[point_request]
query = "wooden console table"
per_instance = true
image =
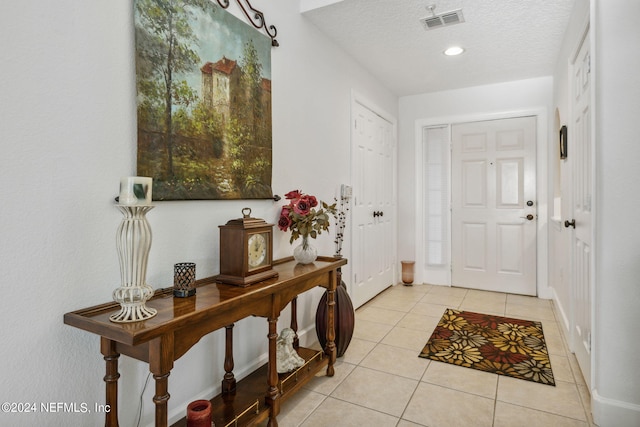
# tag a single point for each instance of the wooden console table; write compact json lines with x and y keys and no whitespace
{"x":182,"y":322}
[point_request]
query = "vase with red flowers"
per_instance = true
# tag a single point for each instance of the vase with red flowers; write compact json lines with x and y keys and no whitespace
{"x":305,"y":217}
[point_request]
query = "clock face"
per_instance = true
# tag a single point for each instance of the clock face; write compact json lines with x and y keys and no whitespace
{"x":257,"y":250}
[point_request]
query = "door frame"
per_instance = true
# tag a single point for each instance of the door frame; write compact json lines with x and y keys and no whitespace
{"x":542,"y":183}
{"x":357,"y":98}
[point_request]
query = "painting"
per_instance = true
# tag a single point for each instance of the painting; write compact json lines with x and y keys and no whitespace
{"x":203,"y":80}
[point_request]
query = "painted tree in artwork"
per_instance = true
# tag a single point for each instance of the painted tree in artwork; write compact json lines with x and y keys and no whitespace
{"x":164,"y":42}
{"x":249,"y":132}
{"x":252,"y":79}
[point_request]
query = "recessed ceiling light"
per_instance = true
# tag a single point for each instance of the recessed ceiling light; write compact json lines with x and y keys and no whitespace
{"x":453,"y":51}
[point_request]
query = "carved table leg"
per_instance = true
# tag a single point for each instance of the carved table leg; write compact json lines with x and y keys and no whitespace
{"x":330,"y":349}
{"x":108,"y":350}
{"x":160,"y":364}
{"x":272,"y":398}
{"x":229,"y":381}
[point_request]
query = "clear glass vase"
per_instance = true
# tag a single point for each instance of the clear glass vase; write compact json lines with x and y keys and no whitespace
{"x":305,"y":252}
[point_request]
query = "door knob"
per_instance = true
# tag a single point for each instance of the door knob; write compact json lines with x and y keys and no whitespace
{"x":529,"y":217}
{"x":571,"y":223}
{"x":378,"y":213}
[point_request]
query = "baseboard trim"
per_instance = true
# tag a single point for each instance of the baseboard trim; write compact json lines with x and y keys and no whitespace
{"x":564,"y":318}
{"x":614,"y":413}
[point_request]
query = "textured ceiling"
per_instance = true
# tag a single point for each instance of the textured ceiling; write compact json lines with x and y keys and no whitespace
{"x":504,"y":40}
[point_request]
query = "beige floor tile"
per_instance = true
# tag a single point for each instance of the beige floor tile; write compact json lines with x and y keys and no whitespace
{"x":417,"y":289}
{"x":370,"y":331}
{"x":553,"y":338}
{"x":508,"y":415}
{"x":335,"y":412}
{"x":325,"y":385}
{"x":437,"y":406}
{"x":357,"y":350}
{"x":419,"y":322}
{"x":396,"y":361}
{"x":462,"y":379}
{"x":380,"y":315}
{"x":575,"y":368}
{"x":394,"y":301}
{"x":295,"y":410}
{"x":488,"y":296}
{"x":448,"y":290}
{"x":405,"y":423}
{"x":484,"y":302}
{"x":487,"y":307}
{"x":451,"y":301}
{"x":527,"y":300}
{"x":376,"y":390}
{"x":563,"y":399}
{"x":529,"y":312}
{"x":433,"y":310}
{"x":411,"y":339}
{"x":585,"y":397}
{"x":561,"y":368}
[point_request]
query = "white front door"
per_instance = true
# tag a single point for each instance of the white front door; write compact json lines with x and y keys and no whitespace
{"x":579,"y":154}
{"x":493,"y":219}
{"x":373,"y":159}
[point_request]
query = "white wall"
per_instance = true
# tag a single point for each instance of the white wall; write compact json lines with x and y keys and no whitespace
{"x":466,"y":104}
{"x":68,"y":133}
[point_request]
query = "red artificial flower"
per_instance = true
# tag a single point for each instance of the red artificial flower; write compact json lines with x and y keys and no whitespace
{"x":284,"y":222}
{"x":294,"y":194}
{"x":302,"y":206}
{"x":312,"y":201}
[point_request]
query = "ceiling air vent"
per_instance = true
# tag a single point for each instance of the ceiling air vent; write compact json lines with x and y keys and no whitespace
{"x":442,"y":19}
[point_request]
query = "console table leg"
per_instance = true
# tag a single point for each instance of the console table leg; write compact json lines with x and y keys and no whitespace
{"x":108,"y":350}
{"x":160,"y":364}
{"x":229,"y":381}
{"x":272,"y":399}
{"x":330,"y":349}
{"x":161,"y":398}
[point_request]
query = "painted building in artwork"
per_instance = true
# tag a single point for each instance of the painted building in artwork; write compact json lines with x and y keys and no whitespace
{"x":222,"y":85}
{"x":223,"y":89}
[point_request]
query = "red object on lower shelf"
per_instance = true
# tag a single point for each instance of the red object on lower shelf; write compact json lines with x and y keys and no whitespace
{"x":199,"y":414}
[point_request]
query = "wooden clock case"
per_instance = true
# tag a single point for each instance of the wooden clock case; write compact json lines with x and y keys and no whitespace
{"x":235,"y":268}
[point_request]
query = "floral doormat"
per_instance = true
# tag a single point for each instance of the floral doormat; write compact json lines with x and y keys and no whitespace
{"x":502,"y":345}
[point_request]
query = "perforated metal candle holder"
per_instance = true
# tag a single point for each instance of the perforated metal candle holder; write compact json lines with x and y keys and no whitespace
{"x":184,"y":279}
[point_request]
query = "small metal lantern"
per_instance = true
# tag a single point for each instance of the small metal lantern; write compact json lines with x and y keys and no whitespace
{"x":184,"y":279}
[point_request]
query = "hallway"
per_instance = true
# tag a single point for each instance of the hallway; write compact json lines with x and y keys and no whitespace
{"x":381,"y":381}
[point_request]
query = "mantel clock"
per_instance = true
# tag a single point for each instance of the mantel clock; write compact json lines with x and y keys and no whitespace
{"x":246,"y":251}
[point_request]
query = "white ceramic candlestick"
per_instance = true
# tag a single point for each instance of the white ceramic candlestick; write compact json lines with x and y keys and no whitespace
{"x":133,"y":241}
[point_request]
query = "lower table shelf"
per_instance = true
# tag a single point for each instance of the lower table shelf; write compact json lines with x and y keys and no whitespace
{"x":247,"y":406}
